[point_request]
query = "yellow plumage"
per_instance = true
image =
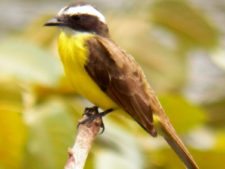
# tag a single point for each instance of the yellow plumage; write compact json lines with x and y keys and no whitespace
{"x":74,"y":55}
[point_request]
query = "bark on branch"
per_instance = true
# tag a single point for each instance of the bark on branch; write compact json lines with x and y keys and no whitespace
{"x":86,"y":134}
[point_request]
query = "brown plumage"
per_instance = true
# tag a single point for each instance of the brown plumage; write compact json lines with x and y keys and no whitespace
{"x":122,"y":79}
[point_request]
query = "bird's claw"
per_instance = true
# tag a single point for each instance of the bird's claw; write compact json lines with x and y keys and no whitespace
{"x":92,"y":113}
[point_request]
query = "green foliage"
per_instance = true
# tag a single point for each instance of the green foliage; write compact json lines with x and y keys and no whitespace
{"x":185,"y":21}
{"x":50,"y":134}
{"x":12,"y":128}
{"x":185,"y":115}
{"x":23,"y":60}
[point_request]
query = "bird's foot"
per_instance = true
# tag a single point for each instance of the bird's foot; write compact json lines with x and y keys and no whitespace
{"x":92,"y":113}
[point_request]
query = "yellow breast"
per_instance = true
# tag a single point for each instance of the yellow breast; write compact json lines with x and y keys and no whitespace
{"x":74,"y":55}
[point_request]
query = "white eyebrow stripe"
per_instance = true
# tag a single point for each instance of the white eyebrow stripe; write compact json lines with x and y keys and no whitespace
{"x":86,"y":9}
{"x":62,"y":11}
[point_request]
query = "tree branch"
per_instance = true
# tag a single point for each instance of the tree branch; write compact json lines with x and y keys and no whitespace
{"x":86,"y":134}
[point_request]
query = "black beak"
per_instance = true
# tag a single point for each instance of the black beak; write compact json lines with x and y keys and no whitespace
{"x":54,"y":22}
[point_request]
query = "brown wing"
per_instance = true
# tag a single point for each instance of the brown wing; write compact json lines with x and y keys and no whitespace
{"x":121,"y":79}
{"x":118,"y":75}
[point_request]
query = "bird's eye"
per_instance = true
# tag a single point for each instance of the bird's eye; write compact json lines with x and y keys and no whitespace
{"x":76,"y":17}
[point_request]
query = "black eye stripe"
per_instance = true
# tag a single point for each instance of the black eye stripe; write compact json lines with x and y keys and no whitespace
{"x":85,"y":23}
{"x":76,"y":17}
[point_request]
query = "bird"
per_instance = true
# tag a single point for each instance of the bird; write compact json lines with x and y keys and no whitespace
{"x":109,"y":77}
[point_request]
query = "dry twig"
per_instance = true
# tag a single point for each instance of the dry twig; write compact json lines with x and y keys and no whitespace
{"x":85,"y":135}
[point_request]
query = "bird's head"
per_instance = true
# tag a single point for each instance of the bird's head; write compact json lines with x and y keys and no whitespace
{"x":80,"y":18}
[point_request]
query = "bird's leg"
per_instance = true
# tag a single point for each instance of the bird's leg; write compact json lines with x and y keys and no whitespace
{"x":103,"y":114}
{"x":92,"y":113}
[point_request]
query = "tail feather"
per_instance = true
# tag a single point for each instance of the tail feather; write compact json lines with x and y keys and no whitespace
{"x":176,"y":144}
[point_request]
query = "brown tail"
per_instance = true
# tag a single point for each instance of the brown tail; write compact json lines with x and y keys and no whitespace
{"x":177,"y":145}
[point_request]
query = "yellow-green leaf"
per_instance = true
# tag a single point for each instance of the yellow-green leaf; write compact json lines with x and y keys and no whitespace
{"x":20,"y":59}
{"x":51,"y":133}
{"x":12,"y":137}
{"x":12,"y":127}
{"x":183,"y":114}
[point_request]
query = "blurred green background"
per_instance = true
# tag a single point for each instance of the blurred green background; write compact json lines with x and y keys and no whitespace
{"x":180,"y":44}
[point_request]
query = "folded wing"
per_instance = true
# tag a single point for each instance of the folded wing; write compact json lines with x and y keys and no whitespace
{"x":118,"y":75}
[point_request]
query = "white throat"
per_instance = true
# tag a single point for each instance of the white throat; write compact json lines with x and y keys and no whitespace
{"x":72,"y":32}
